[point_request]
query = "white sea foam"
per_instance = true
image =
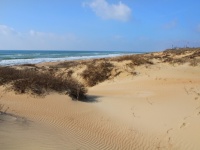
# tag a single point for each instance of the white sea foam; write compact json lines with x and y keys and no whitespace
{"x":40,"y":60}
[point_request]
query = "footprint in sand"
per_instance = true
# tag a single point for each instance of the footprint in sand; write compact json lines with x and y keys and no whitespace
{"x":183,"y":125}
{"x":169,"y":130}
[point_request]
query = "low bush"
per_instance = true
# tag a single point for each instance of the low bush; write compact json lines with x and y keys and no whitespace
{"x":69,"y":73}
{"x":135,"y":59}
{"x":182,"y":51}
{"x":95,"y":73}
{"x":67,"y":64}
{"x":140,"y":60}
{"x":179,"y":51}
{"x":23,"y":81}
{"x":191,"y":57}
{"x":29,"y":65}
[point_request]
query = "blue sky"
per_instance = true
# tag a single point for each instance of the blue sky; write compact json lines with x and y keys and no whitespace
{"x":126,"y":25}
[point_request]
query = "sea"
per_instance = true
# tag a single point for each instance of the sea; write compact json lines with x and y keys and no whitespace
{"x":19,"y":57}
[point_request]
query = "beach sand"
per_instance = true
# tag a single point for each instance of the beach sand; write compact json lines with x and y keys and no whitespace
{"x":156,"y":108}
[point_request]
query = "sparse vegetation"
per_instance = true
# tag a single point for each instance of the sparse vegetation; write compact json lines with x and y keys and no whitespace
{"x":42,"y":80}
{"x":179,"y":51}
{"x":95,"y":73}
{"x":137,"y":60}
{"x":194,"y":62}
{"x":67,"y":64}
{"x":29,"y":65}
{"x":190,"y":55}
{"x":23,"y":81}
{"x":69,"y":73}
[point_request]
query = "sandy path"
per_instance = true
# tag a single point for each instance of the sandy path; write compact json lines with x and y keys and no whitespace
{"x":157,"y":109}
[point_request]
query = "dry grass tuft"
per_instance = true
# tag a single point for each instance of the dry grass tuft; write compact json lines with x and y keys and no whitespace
{"x":96,"y":73}
{"x":23,"y":81}
{"x":29,"y":65}
{"x":69,"y":73}
{"x":194,"y":62}
{"x":137,"y":60}
{"x":68,"y":64}
{"x":189,"y":55}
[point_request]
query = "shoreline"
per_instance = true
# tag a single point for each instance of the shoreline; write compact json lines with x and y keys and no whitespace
{"x":18,"y":57}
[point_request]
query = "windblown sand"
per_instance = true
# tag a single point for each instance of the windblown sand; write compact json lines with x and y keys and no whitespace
{"x":159,"y":108}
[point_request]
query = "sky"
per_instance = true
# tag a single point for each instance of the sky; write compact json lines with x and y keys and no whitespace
{"x":126,"y":25}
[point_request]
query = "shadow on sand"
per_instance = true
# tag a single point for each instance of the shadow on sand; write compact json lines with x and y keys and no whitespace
{"x":90,"y":99}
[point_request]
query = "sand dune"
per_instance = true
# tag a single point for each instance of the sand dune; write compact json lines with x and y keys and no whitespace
{"x":159,"y":108}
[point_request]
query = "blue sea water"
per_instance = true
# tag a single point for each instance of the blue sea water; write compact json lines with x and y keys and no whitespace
{"x":17,"y":57}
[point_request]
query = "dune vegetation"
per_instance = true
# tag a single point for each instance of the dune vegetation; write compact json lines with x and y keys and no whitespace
{"x":73,"y":77}
{"x":39,"y":83}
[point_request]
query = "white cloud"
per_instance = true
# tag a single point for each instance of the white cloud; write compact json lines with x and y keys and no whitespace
{"x":102,"y":8}
{"x":34,"y":33}
{"x":6,"y":31}
{"x":12,"y":39}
